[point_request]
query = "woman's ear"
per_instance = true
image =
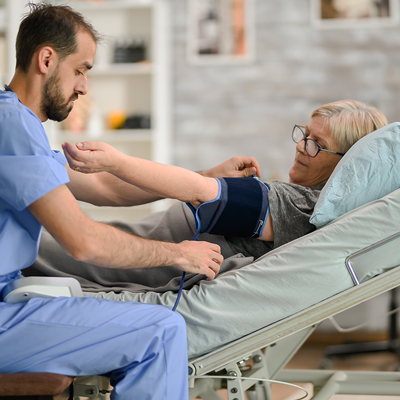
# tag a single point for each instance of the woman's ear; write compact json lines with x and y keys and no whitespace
{"x":47,"y":60}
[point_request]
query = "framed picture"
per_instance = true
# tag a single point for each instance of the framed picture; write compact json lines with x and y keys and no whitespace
{"x":354,"y":13}
{"x":220,"y":31}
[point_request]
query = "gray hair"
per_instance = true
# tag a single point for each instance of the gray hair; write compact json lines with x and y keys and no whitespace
{"x":350,"y":120}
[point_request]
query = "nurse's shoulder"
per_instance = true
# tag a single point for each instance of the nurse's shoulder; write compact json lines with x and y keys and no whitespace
{"x":21,"y":131}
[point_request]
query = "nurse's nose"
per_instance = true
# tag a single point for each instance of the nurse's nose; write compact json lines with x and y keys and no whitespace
{"x":82,"y":86}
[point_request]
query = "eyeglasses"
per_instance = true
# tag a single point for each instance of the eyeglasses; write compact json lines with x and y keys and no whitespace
{"x":311,"y":146}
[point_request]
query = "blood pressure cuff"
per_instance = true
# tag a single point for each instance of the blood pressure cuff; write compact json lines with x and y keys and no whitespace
{"x":240,"y":209}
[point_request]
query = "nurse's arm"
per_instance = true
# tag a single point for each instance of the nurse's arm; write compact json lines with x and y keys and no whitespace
{"x":104,"y":245}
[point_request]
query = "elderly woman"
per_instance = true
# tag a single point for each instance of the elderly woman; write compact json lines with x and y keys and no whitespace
{"x":320,"y":144}
{"x":332,"y":130}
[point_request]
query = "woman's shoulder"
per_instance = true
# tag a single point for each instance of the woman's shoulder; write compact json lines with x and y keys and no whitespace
{"x":291,"y":188}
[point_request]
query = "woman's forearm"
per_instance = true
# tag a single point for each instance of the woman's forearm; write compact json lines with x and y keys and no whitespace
{"x":166,"y":180}
{"x":155,"y":178}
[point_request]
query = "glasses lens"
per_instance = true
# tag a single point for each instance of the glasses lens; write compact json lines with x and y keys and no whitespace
{"x":311,"y":148}
{"x":297,"y":134}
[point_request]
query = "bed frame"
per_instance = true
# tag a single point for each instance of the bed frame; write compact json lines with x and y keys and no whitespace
{"x":264,"y":354}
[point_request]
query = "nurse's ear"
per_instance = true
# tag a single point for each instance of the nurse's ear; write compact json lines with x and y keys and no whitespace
{"x":47,"y":60}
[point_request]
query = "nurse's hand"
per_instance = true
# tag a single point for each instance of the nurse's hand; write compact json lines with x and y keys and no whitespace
{"x":200,"y":258}
{"x":90,"y":157}
{"x":235,"y":167}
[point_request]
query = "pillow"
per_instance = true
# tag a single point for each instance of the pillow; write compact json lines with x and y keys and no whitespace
{"x":367,"y":172}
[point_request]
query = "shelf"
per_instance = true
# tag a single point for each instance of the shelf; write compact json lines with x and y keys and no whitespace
{"x":141,"y":88}
{"x":2,"y":21}
{"x":108,"y":4}
{"x":140,"y":68}
{"x":112,"y":136}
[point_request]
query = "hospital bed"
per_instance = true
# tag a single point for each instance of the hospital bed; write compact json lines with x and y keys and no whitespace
{"x":249,"y":322}
{"x":264,"y":311}
{"x":271,"y":348}
{"x":354,"y":258}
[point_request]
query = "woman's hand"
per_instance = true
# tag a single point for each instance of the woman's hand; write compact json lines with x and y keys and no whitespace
{"x":235,"y":167}
{"x":90,"y":157}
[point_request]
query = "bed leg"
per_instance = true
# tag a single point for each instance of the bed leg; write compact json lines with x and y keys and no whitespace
{"x":262,"y":388}
{"x":238,"y":387}
{"x":234,"y":386}
{"x":261,"y":392}
{"x":331,"y":386}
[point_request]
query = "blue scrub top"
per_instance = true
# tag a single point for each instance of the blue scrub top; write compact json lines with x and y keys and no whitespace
{"x":28,"y":170}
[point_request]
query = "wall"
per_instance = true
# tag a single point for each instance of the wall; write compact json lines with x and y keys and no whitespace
{"x":221,"y":111}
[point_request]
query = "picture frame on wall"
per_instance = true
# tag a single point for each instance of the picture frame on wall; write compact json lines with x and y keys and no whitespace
{"x":220,"y":31}
{"x":354,"y":13}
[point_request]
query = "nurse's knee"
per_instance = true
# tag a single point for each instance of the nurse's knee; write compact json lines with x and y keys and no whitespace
{"x":180,"y":321}
{"x":174,"y":322}
{"x":174,"y":317}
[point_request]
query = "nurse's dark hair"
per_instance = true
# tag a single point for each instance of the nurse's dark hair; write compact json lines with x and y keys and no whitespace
{"x":50,"y":25}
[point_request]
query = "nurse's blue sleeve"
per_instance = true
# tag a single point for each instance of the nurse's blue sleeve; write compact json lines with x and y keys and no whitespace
{"x":24,"y":179}
{"x":28,"y":167}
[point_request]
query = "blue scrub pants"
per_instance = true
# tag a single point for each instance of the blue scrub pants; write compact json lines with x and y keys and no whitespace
{"x":141,"y":347}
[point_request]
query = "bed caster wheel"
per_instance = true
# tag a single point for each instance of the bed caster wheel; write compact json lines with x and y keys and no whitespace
{"x":325,"y":363}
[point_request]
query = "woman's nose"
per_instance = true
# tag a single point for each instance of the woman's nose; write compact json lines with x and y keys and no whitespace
{"x":301,"y":146}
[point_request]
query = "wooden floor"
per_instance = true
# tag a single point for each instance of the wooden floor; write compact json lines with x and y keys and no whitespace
{"x":311,"y":356}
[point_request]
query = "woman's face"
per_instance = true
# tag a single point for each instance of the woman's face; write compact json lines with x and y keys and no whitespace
{"x":308,"y":171}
